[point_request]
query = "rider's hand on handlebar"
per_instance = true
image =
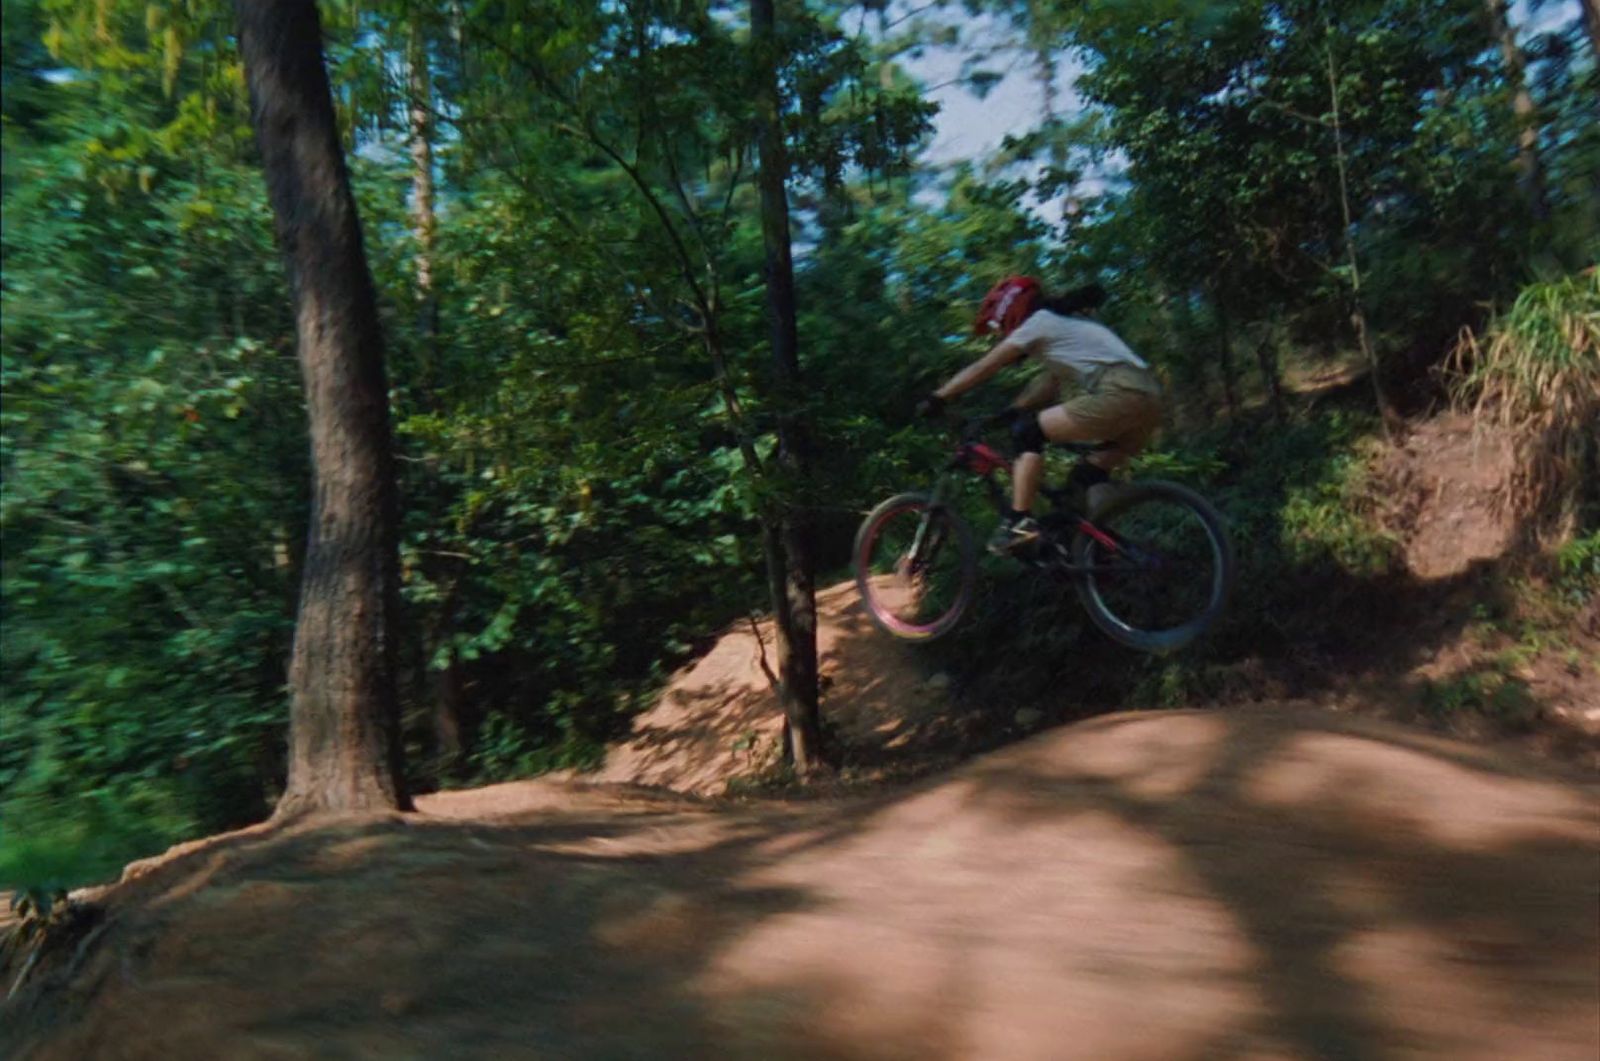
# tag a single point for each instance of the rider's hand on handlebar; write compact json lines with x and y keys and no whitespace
{"x":930,"y":408}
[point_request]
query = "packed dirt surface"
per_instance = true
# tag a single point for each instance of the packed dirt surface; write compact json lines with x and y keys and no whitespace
{"x":1265,"y":884}
{"x":718,"y":722}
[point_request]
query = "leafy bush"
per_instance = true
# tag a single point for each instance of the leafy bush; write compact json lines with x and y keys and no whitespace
{"x":1486,"y":691}
{"x":1336,"y":518}
{"x":1578,"y":568}
{"x":48,"y":845}
{"x":505,"y":749}
{"x":1535,"y":373}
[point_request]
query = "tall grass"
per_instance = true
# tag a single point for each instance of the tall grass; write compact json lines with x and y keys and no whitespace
{"x":1535,"y":374}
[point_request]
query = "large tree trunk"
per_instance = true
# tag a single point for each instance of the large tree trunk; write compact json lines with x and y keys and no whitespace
{"x":344,"y":751}
{"x":794,"y":596}
{"x":1530,"y":171}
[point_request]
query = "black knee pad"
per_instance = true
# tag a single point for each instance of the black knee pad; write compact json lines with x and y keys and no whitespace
{"x":1085,"y":475}
{"x":1027,"y":434}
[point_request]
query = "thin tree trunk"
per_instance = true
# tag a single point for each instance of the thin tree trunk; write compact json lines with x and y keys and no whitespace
{"x":441,"y":688}
{"x":439,"y":691}
{"x":1358,"y":317}
{"x":772,"y":549}
{"x":422,"y":214}
{"x":1044,"y":68}
{"x":344,"y":749}
{"x":1267,"y":362}
{"x":1230,"y":376}
{"x":447,"y":727}
{"x":1589,"y":10}
{"x":1194,"y":373}
{"x":794,"y":600}
{"x":1530,"y":171}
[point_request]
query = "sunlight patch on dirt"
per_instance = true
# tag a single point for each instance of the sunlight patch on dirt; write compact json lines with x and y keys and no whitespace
{"x":1459,"y":805}
{"x":1148,"y":762}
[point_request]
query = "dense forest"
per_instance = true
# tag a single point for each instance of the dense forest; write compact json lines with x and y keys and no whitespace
{"x":655,"y":287}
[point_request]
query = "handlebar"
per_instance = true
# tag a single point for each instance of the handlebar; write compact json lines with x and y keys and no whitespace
{"x":969,"y":429}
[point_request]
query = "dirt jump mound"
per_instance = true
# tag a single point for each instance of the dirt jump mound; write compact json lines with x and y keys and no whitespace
{"x":1163,"y":885}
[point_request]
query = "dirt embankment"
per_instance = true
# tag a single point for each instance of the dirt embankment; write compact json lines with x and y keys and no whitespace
{"x":1445,"y":499}
{"x":1446,"y":481}
{"x":718,"y":722}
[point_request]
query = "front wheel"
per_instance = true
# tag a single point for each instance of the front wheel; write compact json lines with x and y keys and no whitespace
{"x":1157,"y":568}
{"x":916,"y":565}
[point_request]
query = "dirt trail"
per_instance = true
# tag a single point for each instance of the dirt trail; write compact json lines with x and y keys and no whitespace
{"x":1281,"y":884}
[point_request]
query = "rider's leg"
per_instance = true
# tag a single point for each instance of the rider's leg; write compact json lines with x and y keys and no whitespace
{"x":1126,"y":418}
{"x":1017,"y":530}
{"x":1028,"y":434}
{"x":1125,"y":410}
{"x":1025,"y":475}
{"x":1061,"y":423}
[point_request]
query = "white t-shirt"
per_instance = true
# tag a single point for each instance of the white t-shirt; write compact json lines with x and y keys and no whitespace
{"x":1072,"y":346}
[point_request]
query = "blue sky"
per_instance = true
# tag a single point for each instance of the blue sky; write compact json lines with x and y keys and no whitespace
{"x":969,"y":128}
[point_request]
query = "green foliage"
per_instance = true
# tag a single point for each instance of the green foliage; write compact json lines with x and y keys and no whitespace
{"x":1488,"y":692}
{"x":46,"y":847}
{"x":152,"y":500}
{"x":1333,"y":518}
{"x":1305,"y":518}
{"x":1578,"y":568}
{"x":572,"y":388}
{"x":1229,"y":210}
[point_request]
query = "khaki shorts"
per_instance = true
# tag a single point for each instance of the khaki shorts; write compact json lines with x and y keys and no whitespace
{"x":1122,"y":405}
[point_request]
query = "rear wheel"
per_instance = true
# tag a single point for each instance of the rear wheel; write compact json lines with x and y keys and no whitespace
{"x":915,"y":567}
{"x":1160,"y":569}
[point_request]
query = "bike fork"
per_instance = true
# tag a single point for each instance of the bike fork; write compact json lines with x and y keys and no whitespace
{"x":921,"y":546}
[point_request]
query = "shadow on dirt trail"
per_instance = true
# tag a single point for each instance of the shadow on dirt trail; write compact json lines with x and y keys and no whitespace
{"x":1181,"y":885}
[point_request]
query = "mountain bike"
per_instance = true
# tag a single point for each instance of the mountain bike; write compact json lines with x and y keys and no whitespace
{"x":1152,"y":564}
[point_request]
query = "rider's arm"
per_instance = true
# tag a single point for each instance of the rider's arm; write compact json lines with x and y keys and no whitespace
{"x":980,"y":370}
{"x":1042,"y":390}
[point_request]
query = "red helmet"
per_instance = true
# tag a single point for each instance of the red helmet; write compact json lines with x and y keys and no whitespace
{"x":1007,"y":305}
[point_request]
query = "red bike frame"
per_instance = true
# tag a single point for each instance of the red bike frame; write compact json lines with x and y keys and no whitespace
{"x":983,"y":460}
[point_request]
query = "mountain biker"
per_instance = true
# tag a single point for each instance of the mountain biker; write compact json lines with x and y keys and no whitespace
{"x":1119,"y":401}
